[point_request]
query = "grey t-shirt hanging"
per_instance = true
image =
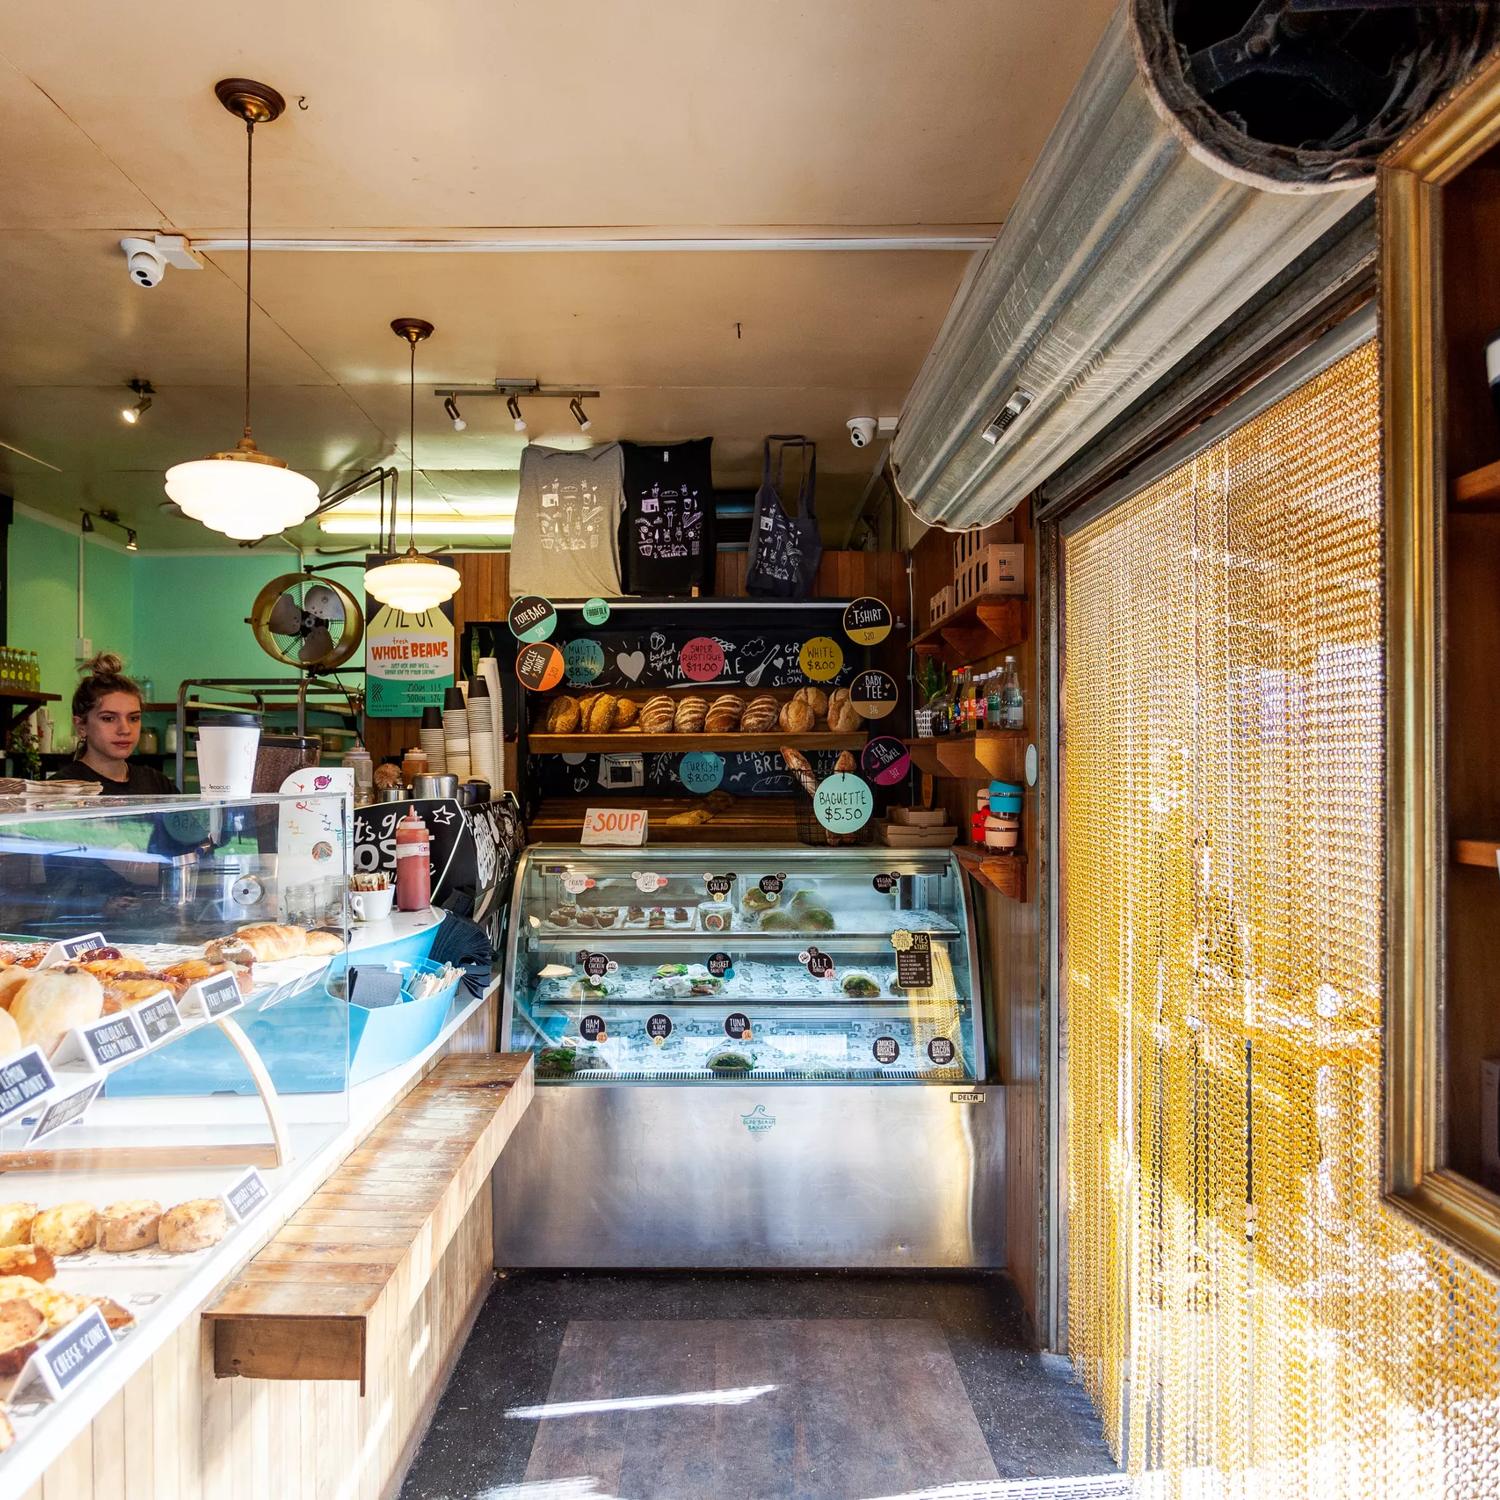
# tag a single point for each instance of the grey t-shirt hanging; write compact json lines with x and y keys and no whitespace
{"x":566,"y":543}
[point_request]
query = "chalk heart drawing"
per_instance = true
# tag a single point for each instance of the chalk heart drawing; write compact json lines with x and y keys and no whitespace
{"x":632,"y":664}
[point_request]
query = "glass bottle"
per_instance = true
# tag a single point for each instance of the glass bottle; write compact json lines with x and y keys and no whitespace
{"x":1012,"y":703}
{"x":994,"y":712}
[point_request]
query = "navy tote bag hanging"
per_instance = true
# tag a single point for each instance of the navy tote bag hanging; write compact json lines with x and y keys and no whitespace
{"x":784,"y":549}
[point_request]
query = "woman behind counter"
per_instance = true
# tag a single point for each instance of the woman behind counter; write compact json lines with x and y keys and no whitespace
{"x":107,"y":722}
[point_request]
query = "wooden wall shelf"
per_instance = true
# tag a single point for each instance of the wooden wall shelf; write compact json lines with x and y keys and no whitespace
{"x":1479,"y":852}
{"x":326,"y":1298}
{"x":986,"y":624}
{"x":984,"y":755}
{"x":751,"y":820}
{"x":1005,"y":873}
{"x":17,"y":703}
{"x":1478,"y":491}
{"x":619,"y":744}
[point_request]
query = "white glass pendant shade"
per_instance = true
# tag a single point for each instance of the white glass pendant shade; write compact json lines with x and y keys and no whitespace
{"x":412,"y":583}
{"x":244,"y":495}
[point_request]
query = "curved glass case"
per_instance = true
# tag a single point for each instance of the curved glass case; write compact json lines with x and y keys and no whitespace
{"x":780,"y":965}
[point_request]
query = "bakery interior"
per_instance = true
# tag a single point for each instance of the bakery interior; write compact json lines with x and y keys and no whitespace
{"x":747,"y":750}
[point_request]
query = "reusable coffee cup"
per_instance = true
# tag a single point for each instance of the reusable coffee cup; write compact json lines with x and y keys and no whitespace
{"x":227,"y":744}
{"x":372,"y":906}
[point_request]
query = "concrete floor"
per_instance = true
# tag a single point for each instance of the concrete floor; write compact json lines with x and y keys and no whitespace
{"x":807,"y":1386}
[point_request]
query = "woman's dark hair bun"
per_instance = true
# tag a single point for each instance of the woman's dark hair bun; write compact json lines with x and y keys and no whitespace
{"x":105,"y":664}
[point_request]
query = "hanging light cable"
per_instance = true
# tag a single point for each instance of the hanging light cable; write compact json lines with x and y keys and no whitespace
{"x":412,"y":583}
{"x":244,"y":493}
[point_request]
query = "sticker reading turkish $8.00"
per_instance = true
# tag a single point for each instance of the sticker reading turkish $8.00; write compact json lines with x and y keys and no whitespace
{"x":540,"y":667}
{"x":593,"y":1029}
{"x":658,"y":1028}
{"x":886,"y":1049}
{"x":737,"y":1026}
{"x":867,"y":621}
{"x":701,"y":771}
{"x":843,"y":802}
{"x":873,"y":694}
{"x":583,"y":660}
{"x":821,"y":658}
{"x":885,"y":760}
{"x":720,"y":965}
{"x":941,"y":1051}
{"x":596,"y":611}
{"x":532,"y":618}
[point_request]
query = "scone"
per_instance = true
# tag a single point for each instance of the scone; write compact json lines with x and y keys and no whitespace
{"x":67,"y":1229}
{"x":128,"y":1225}
{"x":15,"y":1223}
{"x":30,"y":1261}
{"x":194,"y":1225}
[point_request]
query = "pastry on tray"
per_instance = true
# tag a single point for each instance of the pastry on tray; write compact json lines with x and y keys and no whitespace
{"x":131,"y":1224}
{"x":67,"y":1228}
{"x":22,"y":1324}
{"x":179,"y":976}
{"x":194,"y":1225}
{"x":15,"y":1222}
{"x":262,"y":942}
{"x":30,"y":1261}
{"x":52,"y":1002}
{"x":121,"y":994}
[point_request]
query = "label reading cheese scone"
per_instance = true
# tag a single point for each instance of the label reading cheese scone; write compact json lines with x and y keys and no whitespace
{"x":63,"y":1360}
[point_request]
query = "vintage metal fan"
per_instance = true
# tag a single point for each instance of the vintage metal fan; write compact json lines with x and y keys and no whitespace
{"x":307,"y":622}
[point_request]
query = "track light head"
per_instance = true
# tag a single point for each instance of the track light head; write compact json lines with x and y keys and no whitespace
{"x":131,"y":545}
{"x":450,"y":406}
{"x":88,"y":523}
{"x":143,"y":395}
{"x":513,"y":406}
{"x":579,"y":415}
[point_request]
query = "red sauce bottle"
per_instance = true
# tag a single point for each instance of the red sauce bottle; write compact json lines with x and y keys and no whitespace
{"x":413,"y":864}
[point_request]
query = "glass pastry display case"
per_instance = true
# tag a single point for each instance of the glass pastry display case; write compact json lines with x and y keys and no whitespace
{"x":753,"y":1056}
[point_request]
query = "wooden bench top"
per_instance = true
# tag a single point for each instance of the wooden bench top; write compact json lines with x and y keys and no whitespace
{"x":320,"y":1300}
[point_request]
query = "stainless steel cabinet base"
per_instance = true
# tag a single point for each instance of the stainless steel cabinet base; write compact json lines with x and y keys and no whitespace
{"x":735,"y":1176}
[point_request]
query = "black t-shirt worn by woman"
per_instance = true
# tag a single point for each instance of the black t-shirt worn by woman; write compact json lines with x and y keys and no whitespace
{"x":141,"y":780}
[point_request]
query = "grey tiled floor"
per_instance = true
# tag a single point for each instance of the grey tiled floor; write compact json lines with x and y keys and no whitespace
{"x":839,"y":1387}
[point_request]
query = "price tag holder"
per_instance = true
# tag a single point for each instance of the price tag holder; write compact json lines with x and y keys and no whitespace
{"x":886,"y":1049}
{"x":737,"y":1027}
{"x":913,"y":959}
{"x":24,"y":1079}
{"x":213,"y":997}
{"x":102,"y":1043}
{"x":658,"y":1028}
{"x":60,"y":1362}
{"x":247,"y":1196}
{"x":615,"y":825}
{"x":70,"y":948}
{"x":65,"y":1111}
{"x":159,"y":1018}
{"x":593,"y":1029}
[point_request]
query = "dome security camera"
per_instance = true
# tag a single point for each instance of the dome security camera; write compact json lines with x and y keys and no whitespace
{"x":145,"y":263}
{"x":861,"y":431}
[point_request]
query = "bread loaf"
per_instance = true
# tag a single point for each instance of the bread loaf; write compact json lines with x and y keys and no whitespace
{"x":11,"y":980}
{"x":563,"y":716}
{"x":15,"y":1223}
{"x":842,"y":719}
{"x":67,"y":1229}
{"x":691,"y":714}
{"x":658,"y":714}
{"x":797,"y":717}
{"x":760,"y":715}
{"x":130,"y":1224}
{"x":627,"y":711}
{"x":846,"y":761}
{"x":600,"y":717}
{"x":10,"y":1036}
{"x":323,"y":944}
{"x":261,"y":942}
{"x":52,"y":1002}
{"x":31,"y":1261}
{"x":194,"y":1225}
{"x":724,"y":714}
{"x":815,"y":698}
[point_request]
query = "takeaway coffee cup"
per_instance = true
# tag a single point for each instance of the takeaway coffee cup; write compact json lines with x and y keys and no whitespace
{"x":227,"y":744}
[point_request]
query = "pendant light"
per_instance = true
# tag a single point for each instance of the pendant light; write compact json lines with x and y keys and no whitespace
{"x":244,"y":493}
{"x":412,"y":583}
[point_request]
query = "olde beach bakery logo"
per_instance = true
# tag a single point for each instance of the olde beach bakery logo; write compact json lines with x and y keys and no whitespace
{"x":757,"y":1122}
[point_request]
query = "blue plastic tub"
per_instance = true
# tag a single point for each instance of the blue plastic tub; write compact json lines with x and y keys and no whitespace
{"x":390,"y":1035}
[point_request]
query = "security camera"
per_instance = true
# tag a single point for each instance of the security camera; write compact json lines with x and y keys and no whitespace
{"x":861,"y":431}
{"x":144,"y":261}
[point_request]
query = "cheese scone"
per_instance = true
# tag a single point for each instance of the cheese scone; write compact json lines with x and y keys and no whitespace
{"x":194,"y":1225}
{"x":67,"y":1229}
{"x":131,"y":1224}
{"x":15,"y":1222}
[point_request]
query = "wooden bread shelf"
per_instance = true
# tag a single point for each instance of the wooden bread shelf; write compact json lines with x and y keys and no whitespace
{"x":1480,"y":852}
{"x":573,"y":744}
{"x":984,"y":755}
{"x":326,"y":1298}
{"x":1478,"y":490}
{"x":1005,"y":873}
{"x":986,"y":624}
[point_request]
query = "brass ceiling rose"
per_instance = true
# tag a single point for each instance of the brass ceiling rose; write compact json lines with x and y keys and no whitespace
{"x":413,"y":330}
{"x":255,"y":103}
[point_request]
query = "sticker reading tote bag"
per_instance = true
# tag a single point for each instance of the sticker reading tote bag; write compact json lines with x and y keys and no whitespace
{"x":784,"y":550}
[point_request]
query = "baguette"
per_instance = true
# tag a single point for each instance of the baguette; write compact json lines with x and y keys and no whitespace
{"x":263,"y":942}
{"x":321,"y":944}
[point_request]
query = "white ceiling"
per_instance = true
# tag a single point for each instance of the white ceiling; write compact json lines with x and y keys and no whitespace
{"x":477,"y":118}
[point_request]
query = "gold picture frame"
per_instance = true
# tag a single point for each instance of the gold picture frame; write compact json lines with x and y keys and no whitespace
{"x":1412,"y":176}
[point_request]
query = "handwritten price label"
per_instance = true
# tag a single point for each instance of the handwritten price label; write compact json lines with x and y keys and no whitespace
{"x":843,"y":803}
{"x":701,"y":659}
{"x":701,"y":771}
{"x":583,"y":660}
{"x":821,"y":658}
{"x":532,"y":618}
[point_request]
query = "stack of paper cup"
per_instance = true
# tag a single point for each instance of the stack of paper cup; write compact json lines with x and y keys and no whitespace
{"x":430,"y":735}
{"x":455,"y":734}
{"x":481,"y":731}
{"x":489,"y":669}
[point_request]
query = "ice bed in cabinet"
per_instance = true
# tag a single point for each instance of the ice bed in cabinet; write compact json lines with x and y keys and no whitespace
{"x":748,"y":1057}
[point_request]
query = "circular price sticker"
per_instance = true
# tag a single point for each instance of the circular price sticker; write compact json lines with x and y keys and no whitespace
{"x":701,"y":659}
{"x":821,"y":658}
{"x":873,"y":695}
{"x":941,"y":1051}
{"x":886,"y":882}
{"x":701,"y":771}
{"x":593,"y":1029}
{"x":772,"y":884}
{"x":737,"y":1026}
{"x":596,"y":611}
{"x":720,"y":965}
{"x":886,"y":1049}
{"x":901,"y":940}
{"x":843,"y":802}
{"x":532,"y":618}
{"x":597,"y":965}
{"x":658,"y":1028}
{"x":718,"y":886}
{"x":648,"y":881}
{"x":575,"y":885}
{"x":540,"y":667}
{"x":819,"y":965}
{"x":867,"y":622}
{"x":583,"y":660}
{"x":885,"y":760}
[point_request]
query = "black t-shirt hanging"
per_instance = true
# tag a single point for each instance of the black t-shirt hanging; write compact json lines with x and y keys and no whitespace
{"x":669,"y":517}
